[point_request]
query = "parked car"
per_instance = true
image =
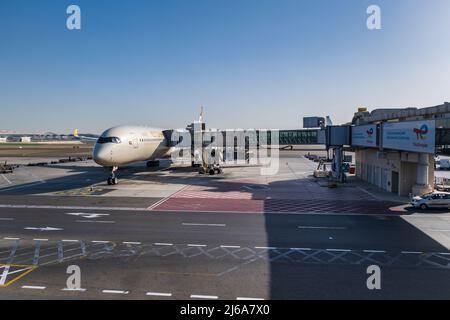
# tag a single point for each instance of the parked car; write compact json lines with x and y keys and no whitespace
{"x":432,"y":200}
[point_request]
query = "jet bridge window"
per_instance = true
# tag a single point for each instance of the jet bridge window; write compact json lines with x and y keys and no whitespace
{"x":108,"y":140}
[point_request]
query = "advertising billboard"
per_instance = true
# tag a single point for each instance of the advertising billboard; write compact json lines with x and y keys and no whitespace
{"x":365,"y":136}
{"x":416,"y":136}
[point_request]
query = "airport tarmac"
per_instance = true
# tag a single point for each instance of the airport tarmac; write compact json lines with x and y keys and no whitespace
{"x":170,"y":233}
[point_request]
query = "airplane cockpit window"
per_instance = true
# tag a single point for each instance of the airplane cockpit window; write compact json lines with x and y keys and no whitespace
{"x":108,"y":140}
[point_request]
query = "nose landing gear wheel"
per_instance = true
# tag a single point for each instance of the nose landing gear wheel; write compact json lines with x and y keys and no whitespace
{"x":112,"y":180}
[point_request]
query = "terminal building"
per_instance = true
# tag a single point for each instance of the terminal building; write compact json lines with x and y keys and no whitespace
{"x":395,"y":148}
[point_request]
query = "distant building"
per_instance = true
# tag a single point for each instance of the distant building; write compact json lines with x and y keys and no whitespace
{"x":25,"y":139}
{"x":3,"y":139}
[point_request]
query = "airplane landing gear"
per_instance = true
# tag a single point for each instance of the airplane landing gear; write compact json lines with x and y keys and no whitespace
{"x":112,"y":179}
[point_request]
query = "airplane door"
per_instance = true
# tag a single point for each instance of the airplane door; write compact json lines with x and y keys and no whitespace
{"x":134,"y":141}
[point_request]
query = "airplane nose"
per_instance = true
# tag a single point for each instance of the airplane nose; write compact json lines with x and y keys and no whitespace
{"x":103,"y":155}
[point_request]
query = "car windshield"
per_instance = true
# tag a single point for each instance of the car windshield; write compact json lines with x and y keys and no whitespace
{"x":108,"y":140}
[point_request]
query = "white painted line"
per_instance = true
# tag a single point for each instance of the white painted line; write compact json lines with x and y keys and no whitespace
{"x":159,"y":294}
{"x":34,"y":287}
{"x":69,"y":289}
{"x":40,"y":239}
{"x":6,"y":238}
{"x":248,"y":298}
{"x":69,"y":240}
{"x":88,"y":215}
{"x":374,"y":251}
{"x":100,"y":241}
{"x":196,"y":245}
{"x":7,"y":180}
{"x":6,"y":219}
{"x":204,"y":224}
{"x":156,"y":204}
{"x":163,"y":244}
{"x":23,"y":206}
{"x":445,"y":253}
{"x":116,"y":291}
{"x":412,"y":252}
{"x":21,"y":186}
{"x":200,"y":296}
{"x":92,"y":221}
{"x":325,"y":228}
{"x":43,"y":228}
{"x":266,"y":248}
{"x":339,"y":250}
{"x":303,"y":249}
{"x":131,"y":242}
{"x":234,"y":247}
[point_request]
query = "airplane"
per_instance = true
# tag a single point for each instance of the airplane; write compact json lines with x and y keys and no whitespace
{"x":122,"y":145}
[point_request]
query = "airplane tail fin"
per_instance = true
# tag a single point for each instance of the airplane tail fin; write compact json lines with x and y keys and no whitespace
{"x":75,"y":133}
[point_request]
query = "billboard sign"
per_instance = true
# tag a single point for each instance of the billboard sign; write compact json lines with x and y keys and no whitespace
{"x":416,"y":136}
{"x":365,"y":136}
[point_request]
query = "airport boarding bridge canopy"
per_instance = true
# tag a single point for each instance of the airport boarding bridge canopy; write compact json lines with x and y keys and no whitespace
{"x":422,"y":136}
{"x":298,"y":137}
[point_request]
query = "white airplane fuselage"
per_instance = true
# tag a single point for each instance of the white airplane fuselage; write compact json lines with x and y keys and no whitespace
{"x":123,"y":145}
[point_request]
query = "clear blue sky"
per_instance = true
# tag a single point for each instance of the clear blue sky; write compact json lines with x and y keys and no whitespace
{"x":251,"y":63}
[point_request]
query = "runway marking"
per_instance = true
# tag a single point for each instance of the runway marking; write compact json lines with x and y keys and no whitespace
{"x":116,"y":291}
{"x":302,"y":249}
{"x":131,"y":242}
{"x":36,"y":252}
{"x":325,"y":228}
{"x":196,"y":245}
{"x":43,"y":229}
{"x":34,"y":287}
{"x":6,"y":219}
{"x":247,"y":298}
{"x":150,"y":208}
{"x":159,"y":294}
{"x":412,"y":252}
{"x":100,"y":241}
{"x":21,"y":186}
{"x":267,"y":248}
{"x":7,"y":180}
{"x":163,"y":244}
{"x":40,"y":239}
{"x":374,"y":251}
{"x":6,"y":238}
{"x":233,"y":247}
{"x":60,"y":251}
{"x":339,"y":250}
{"x":19,"y":206}
{"x":200,"y":296}
{"x":68,"y":240}
{"x":6,"y":273}
{"x":93,"y":221}
{"x":13,"y":252}
{"x":10,"y":206}
{"x":75,"y":289}
{"x":204,"y":224}
{"x":88,"y":215}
